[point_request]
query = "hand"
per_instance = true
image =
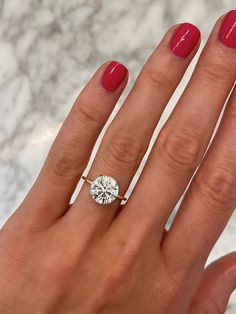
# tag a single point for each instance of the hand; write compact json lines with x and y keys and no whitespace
{"x":91,"y":258}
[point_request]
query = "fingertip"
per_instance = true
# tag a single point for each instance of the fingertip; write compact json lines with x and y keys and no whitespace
{"x":182,"y":41}
{"x":185,"y":39}
{"x":114,"y":75}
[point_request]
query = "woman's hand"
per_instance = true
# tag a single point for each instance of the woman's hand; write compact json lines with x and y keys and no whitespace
{"x":91,"y":258}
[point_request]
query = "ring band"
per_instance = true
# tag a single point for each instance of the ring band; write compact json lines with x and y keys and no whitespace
{"x":104,"y":189}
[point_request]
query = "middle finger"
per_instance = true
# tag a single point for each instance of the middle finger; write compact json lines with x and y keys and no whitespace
{"x":183,"y":140}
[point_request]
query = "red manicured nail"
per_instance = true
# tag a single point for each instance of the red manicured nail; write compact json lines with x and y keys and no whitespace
{"x":184,"y":39}
{"x":113,"y":76}
{"x":227,"y":32}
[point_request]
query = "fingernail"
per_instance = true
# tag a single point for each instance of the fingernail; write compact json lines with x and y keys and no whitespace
{"x":113,"y":76}
{"x":184,"y":40}
{"x":227,"y":32}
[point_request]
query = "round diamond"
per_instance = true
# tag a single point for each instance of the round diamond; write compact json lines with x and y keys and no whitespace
{"x":104,"y":189}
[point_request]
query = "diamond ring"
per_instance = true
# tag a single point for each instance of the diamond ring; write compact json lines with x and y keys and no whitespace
{"x":104,"y":189}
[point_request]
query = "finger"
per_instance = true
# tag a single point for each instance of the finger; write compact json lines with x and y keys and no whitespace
{"x":127,"y":139}
{"x":210,"y":200}
{"x":68,"y":157}
{"x":183,"y":140}
{"x":216,"y":286}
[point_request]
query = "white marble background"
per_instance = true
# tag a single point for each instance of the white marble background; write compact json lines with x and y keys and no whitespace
{"x":48,"y":51}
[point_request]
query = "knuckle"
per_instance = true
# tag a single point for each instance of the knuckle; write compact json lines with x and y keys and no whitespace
{"x":217,"y":187}
{"x":58,"y":269}
{"x":124,"y":150}
{"x":181,"y":150}
{"x":118,"y":281}
{"x":157,"y":79}
{"x":88,"y":113}
{"x":66,"y":164}
{"x":115,"y":284}
{"x":217,"y":71}
{"x":115,"y":280}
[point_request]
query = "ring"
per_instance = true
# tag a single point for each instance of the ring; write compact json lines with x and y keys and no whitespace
{"x":104,"y":189}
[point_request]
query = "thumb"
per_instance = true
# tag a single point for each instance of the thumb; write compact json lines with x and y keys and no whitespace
{"x":216,"y":286}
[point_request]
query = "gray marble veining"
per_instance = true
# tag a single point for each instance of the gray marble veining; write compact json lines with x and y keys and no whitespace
{"x":48,"y":51}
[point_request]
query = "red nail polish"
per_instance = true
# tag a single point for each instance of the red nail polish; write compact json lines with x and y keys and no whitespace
{"x":113,"y":76}
{"x":227,"y":32}
{"x":184,"y":39}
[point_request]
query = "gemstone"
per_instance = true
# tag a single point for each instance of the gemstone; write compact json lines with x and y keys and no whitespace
{"x":104,"y":189}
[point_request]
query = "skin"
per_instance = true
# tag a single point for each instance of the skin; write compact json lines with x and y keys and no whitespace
{"x":87,"y":258}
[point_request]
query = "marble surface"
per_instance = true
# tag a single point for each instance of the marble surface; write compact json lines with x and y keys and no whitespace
{"x":48,"y":51}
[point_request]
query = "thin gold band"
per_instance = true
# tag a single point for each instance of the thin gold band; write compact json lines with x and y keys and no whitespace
{"x":120,"y":197}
